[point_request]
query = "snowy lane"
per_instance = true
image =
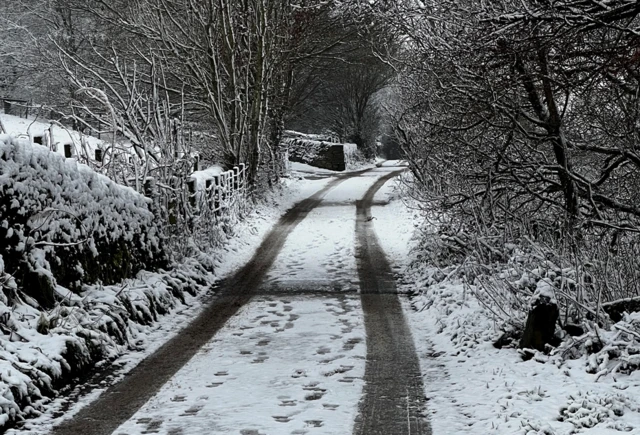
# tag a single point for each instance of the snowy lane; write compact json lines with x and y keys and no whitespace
{"x":120,"y":401}
{"x":293,"y":360}
{"x":281,"y":365}
{"x":282,"y":349}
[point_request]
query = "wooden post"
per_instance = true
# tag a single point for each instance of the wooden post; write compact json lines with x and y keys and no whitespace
{"x":52,"y":144}
{"x":207,"y":192}
{"x":98,"y":155}
{"x":192,"y":191}
{"x":243,"y":175}
{"x":216,"y":194}
{"x":223,"y":189}
{"x":236,"y":178}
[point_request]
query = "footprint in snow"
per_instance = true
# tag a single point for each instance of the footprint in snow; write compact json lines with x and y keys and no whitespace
{"x":316,"y":395}
{"x":323,"y":350}
{"x":193,"y":410}
{"x":288,"y":402}
{"x":314,"y":423}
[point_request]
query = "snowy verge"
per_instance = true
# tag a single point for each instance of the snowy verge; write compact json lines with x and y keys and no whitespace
{"x":473,"y":387}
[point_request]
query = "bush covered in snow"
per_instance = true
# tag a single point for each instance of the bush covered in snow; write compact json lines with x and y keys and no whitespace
{"x":63,"y":224}
{"x":42,"y":351}
{"x":505,"y":277}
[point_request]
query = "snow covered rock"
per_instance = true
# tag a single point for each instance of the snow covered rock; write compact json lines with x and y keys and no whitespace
{"x":541,"y":321}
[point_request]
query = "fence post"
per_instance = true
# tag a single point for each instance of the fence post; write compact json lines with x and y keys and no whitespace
{"x":225,"y":188}
{"x":243,"y":176}
{"x":52,"y":143}
{"x":216,"y":194}
{"x":208,"y":191}
{"x":236,"y":178}
{"x":192,"y":191}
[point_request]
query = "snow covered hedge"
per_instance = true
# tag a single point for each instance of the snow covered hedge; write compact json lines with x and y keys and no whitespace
{"x":63,"y":224}
{"x":64,"y":227}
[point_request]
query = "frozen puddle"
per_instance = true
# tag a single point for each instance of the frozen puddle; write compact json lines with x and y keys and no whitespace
{"x":280,"y":366}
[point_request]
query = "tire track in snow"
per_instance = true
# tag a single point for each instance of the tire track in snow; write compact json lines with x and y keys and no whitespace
{"x":393,"y":400}
{"x":120,"y":401}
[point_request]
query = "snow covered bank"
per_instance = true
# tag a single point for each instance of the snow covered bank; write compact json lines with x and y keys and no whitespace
{"x":475,"y":388}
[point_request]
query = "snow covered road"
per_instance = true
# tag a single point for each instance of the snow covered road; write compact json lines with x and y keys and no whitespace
{"x":283,"y":349}
{"x":281,"y":365}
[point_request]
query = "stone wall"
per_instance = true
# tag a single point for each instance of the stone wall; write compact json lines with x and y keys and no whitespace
{"x":332,"y":157}
{"x":320,"y":154}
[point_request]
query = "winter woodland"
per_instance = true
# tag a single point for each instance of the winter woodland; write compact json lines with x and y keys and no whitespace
{"x":148,"y":136}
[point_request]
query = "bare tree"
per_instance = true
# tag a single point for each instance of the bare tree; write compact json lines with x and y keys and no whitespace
{"x":520,"y":122}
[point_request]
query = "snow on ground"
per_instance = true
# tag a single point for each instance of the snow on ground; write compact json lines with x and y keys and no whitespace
{"x":394,"y":223}
{"x":287,"y":363}
{"x":291,"y":365}
{"x":474,"y":388}
{"x":247,"y":236}
{"x":321,"y":248}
